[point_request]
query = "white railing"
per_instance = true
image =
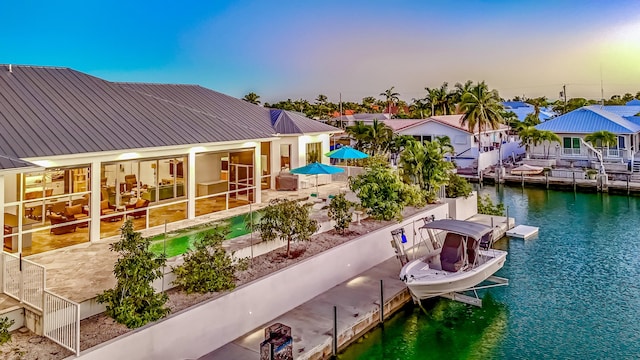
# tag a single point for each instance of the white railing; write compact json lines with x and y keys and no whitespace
{"x":33,"y":276}
{"x":23,"y":282}
{"x":11,"y":276}
{"x":61,"y":319}
{"x":612,"y":153}
{"x":572,"y":151}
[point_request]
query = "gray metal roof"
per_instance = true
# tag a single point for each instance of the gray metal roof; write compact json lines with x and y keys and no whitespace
{"x":467,"y":228}
{"x":289,"y":122}
{"x":47,"y":111}
{"x":9,"y":163}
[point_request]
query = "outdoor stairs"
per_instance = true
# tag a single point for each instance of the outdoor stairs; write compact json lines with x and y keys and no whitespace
{"x":636,"y":168}
{"x":12,"y":309}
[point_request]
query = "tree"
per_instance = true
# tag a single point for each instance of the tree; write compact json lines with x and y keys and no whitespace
{"x":529,"y":136}
{"x":458,"y":187}
{"x":368,"y":103}
{"x":288,"y":220}
{"x":252,"y":98}
{"x":390,"y":97}
{"x":481,"y":108}
{"x":339,"y":212}
{"x":440,"y":99}
{"x":134,"y":302}
{"x":602,"y":139}
{"x":460,"y":90}
{"x":419,"y":109}
{"x":378,"y":137}
{"x":538,"y":103}
{"x":424,"y":165}
{"x":487,"y":207}
{"x":381,"y":191}
{"x":548,"y":136}
{"x":208,"y":267}
{"x":358,"y":132}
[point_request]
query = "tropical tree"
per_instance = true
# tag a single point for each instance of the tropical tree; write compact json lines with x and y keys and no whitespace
{"x":424,"y":164}
{"x":602,"y":139}
{"x":419,"y":109}
{"x":382,"y":192}
{"x":529,"y":136}
{"x":339,"y":212}
{"x":538,"y":103}
{"x":460,"y":90}
{"x":288,"y":220}
{"x":440,"y":99}
{"x":133,"y":301}
{"x":368,"y":103}
{"x":390,"y":97}
{"x":379,"y":137}
{"x":481,"y":108}
{"x":252,"y":98}
{"x":358,"y":132}
{"x":548,"y":137}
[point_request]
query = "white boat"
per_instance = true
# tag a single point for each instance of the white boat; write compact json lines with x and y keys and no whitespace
{"x":459,"y":257}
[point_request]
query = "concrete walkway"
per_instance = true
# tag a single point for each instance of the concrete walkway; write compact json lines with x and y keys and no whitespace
{"x":357,"y":300}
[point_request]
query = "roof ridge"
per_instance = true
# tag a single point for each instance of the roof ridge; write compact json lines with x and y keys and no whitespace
{"x":37,"y":66}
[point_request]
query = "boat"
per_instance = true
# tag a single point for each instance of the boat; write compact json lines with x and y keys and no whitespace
{"x":458,"y":259}
{"x":527,"y":170}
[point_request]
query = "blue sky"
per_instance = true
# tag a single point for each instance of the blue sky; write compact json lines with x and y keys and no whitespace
{"x":299,"y":49}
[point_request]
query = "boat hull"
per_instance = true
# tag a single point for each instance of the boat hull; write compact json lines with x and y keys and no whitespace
{"x":443,"y":283}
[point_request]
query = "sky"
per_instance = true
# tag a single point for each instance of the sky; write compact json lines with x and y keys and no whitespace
{"x":342,"y":49}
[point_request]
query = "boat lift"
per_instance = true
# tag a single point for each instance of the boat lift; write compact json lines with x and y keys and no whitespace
{"x":399,"y":239}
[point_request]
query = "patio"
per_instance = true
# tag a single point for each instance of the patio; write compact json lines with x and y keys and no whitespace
{"x":81,"y":271}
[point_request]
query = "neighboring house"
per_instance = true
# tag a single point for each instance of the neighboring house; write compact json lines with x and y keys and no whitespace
{"x":522,"y":109}
{"x":465,"y":143}
{"x":78,"y":154}
{"x":621,"y":120}
{"x":366,"y":118}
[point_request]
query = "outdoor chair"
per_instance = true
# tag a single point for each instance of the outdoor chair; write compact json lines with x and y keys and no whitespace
{"x":452,"y":255}
{"x":140,"y":208}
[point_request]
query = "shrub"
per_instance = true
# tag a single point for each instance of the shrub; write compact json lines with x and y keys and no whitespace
{"x":5,"y":335}
{"x":208,"y":267}
{"x":339,"y":212}
{"x":287,"y":219}
{"x":486,"y":206}
{"x":458,"y":187}
{"x":134,"y":302}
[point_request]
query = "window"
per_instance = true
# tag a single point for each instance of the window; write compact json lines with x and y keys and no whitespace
{"x":620,"y":142}
{"x":570,"y":143}
{"x":285,"y":158}
{"x":314,"y":152}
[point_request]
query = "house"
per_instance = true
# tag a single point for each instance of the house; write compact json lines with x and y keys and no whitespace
{"x":78,"y":154}
{"x":522,"y":109}
{"x":464,"y":142}
{"x":622,"y":120}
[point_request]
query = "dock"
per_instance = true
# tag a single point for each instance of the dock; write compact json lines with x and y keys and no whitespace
{"x":357,"y":311}
{"x":523,"y":232}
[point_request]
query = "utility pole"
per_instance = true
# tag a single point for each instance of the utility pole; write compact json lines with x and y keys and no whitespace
{"x":564,"y":93}
{"x":341,"y":111}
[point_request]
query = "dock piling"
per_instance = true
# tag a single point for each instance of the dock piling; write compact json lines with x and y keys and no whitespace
{"x":628,"y":190}
{"x":574,"y":181}
{"x":546,"y":177}
{"x":335,"y":331}
{"x":381,"y":301}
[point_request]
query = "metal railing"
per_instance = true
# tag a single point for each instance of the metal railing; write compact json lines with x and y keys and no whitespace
{"x":62,"y":321}
{"x":572,"y":151}
{"x":33,"y":276}
{"x":11,"y":275}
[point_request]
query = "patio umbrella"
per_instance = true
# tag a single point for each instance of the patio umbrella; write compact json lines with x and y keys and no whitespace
{"x":526,"y":170}
{"x":346,"y":152}
{"x":316,"y":169}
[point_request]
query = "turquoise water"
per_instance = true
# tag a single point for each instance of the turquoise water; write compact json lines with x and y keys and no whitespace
{"x":180,"y":242}
{"x":574,"y":291}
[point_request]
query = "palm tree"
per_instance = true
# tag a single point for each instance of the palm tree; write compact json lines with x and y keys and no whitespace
{"x":379,"y":137}
{"x":252,"y":98}
{"x":424,"y":164}
{"x":538,"y":103}
{"x":358,"y":132}
{"x":548,"y":136}
{"x":460,"y":90}
{"x":367,"y":103}
{"x":391,"y":97}
{"x":419,"y":108}
{"x":481,"y":107}
{"x":602,"y":139}
{"x":529,"y":136}
{"x":440,"y":99}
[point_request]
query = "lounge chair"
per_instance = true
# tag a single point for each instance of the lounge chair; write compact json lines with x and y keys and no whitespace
{"x":141,"y":208}
{"x":61,"y":219}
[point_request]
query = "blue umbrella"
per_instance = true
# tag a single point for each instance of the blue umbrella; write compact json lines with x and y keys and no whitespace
{"x":347,"y":152}
{"x":316,"y":169}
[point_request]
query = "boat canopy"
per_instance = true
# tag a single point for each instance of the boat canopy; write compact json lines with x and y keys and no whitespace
{"x":466,"y":228}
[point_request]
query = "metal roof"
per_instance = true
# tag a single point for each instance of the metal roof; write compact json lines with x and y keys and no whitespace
{"x":467,"y":228}
{"x":289,"y":122}
{"x":634,"y":102}
{"x":48,"y":111}
{"x":589,"y":119}
{"x":9,"y":163}
{"x":515,"y":104}
{"x":621,"y":110}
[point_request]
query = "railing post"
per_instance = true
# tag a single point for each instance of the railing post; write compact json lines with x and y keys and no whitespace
{"x":77,"y":330}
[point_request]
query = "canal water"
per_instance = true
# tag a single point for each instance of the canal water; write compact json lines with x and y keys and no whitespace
{"x":574,"y":290}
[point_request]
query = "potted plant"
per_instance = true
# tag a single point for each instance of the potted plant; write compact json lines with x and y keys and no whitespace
{"x":591,"y":174}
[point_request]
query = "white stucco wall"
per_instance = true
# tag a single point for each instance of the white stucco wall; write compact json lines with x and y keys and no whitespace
{"x":203,"y":328}
{"x":461,"y":140}
{"x":463,"y":208}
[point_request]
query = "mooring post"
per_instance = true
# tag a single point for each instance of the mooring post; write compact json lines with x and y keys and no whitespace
{"x":335,"y":330}
{"x":628,"y":190}
{"x":574,"y":180}
{"x":522,"y":177}
{"x":381,"y":301}
{"x":546,"y":176}
{"x":492,"y":222}
{"x":508,"y":224}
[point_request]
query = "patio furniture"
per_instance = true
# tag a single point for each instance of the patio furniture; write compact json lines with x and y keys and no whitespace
{"x":61,"y":219}
{"x":140,"y":206}
{"x":287,"y":181}
{"x":108,"y":209}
